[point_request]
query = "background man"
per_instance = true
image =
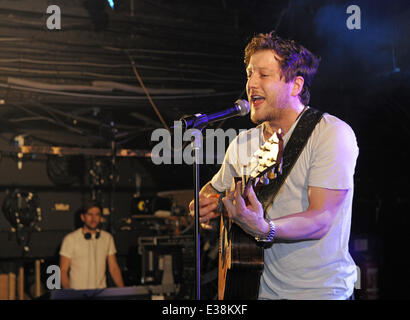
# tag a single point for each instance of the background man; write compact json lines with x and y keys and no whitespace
{"x":85,"y":253}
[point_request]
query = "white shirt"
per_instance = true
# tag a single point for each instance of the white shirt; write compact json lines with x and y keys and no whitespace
{"x":314,"y":269}
{"x":88,"y":258}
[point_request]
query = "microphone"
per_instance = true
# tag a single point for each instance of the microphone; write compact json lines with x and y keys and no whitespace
{"x":241,"y":108}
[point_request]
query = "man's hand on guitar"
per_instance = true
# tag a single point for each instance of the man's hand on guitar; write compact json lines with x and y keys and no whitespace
{"x":249,"y":216}
{"x":207,"y":210}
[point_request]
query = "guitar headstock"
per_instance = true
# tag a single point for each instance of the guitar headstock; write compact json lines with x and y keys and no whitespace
{"x":267,"y":161}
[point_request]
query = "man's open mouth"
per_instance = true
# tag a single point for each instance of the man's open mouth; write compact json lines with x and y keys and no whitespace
{"x":256,"y":99}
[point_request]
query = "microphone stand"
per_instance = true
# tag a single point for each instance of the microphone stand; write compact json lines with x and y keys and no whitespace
{"x":198,"y":123}
{"x":196,"y":146}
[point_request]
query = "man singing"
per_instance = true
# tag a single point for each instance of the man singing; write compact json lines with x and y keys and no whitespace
{"x":308,"y":223}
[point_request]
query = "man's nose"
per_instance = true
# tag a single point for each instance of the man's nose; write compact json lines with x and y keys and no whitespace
{"x":252,"y":82}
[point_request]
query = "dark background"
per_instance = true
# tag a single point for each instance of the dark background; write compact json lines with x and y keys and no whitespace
{"x":195,"y":48}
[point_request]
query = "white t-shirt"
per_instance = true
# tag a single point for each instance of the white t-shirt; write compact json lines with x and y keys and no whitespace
{"x":88,"y":258}
{"x":314,"y":269}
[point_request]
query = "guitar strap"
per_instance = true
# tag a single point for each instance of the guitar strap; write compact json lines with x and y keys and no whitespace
{"x":291,"y":153}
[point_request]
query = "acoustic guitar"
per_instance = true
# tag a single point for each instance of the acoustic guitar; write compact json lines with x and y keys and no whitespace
{"x":240,"y":255}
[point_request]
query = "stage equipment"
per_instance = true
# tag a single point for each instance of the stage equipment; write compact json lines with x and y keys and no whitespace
{"x":150,"y":205}
{"x":126,"y":293}
{"x":66,"y":151}
{"x":22,"y":211}
{"x":21,"y":208}
{"x":20,"y":140}
{"x":65,"y":170}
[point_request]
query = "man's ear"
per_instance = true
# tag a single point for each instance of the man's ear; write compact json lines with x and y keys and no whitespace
{"x":297,"y":85}
{"x":82,"y":217}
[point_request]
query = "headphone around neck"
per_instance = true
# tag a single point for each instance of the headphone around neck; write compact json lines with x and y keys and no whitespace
{"x":88,"y":235}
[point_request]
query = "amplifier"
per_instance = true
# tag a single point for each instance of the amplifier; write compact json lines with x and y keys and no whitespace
{"x":163,"y":257}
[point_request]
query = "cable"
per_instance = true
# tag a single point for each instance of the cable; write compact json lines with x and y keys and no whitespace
{"x":76,"y":117}
{"x":139,"y":66}
{"x":52,"y":120}
{"x":170,"y":52}
{"x":101,"y":86}
{"x":146,"y":92}
{"x":127,"y":98}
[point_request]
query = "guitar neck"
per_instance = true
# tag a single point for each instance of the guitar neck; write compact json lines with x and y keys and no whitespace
{"x":246,"y":182}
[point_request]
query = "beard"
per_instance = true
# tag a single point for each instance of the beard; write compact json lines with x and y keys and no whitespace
{"x":255,"y":119}
{"x":268,"y":114}
{"x":273,"y":107}
{"x":91,"y":227}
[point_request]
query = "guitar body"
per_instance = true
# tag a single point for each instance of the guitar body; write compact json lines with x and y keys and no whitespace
{"x":240,"y":263}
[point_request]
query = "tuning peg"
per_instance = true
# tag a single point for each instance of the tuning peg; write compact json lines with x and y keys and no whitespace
{"x":256,"y":182}
{"x":274,"y":138}
{"x":261,"y":168}
{"x":270,"y":162}
{"x":258,"y":153}
{"x":280,"y":168}
{"x":265,"y":179}
{"x":267,"y":146}
{"x":274,"y":150}
{"x":272,"y":174}
{"x":264,"y":161}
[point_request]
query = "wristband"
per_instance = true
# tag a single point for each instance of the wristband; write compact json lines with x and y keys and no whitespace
{"x":268,"y":237}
